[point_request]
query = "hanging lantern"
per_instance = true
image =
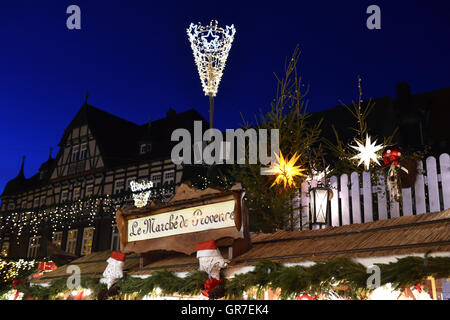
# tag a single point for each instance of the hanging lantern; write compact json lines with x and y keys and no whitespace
{"x":318,"y":199}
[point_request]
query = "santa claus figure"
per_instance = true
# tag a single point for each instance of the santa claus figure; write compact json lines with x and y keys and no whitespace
{"x":210,"y":259}
{"x":114,"y":270}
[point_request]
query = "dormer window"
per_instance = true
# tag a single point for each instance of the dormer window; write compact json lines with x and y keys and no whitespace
{"x":83,"y":151}
{"x":75,"y":152}
{"x":145,"y":148}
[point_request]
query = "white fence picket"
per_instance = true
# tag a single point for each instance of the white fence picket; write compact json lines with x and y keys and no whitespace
{"x":355,"y":192}
{"x":433,"y":188}
{"x":367,"y":196}
{"x":334,"y":201}
{"x":407,"y":205}
{"x":381,"y":195}
{"x":444,"y":165}
{"x":419,"y":190}
{"x":304,"y":206}
{"x":345,"y":204}
{"x":394,"y":206}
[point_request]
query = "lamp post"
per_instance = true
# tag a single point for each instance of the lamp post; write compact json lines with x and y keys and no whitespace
{"x":210,"y":46}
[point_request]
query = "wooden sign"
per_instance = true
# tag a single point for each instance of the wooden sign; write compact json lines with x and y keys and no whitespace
{"x":195,"y":219}
{"x":191,"y":216}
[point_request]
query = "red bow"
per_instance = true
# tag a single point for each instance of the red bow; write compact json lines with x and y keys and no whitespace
{"x":418,"y":287}
{"x":210,"y":284}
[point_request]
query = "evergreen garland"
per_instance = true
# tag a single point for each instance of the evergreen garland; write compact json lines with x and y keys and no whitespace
{"x":338,"y":275}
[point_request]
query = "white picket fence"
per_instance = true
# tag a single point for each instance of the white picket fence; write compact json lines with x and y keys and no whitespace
{"x":356,"y":200}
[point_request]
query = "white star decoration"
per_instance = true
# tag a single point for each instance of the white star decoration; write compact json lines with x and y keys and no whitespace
{"x":367,"y":152}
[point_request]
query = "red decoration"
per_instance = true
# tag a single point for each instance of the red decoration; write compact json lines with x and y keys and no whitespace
{"x":418,"y":287}
{"x":15,"y":283}
{"x":391,"y":154}
{"x":210,"y":284}
{"x":119,"y":256}
{"x":47,"y":266}
{"x":79,"y":296}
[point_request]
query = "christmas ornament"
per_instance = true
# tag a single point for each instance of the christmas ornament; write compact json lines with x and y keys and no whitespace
{"x":401,"y":173}
{"x":285,"y":170}
{"x":367,"y":152}
{"x":114,"y":270}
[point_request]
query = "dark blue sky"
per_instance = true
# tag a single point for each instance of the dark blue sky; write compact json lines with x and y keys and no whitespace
{"x":135,"y":60}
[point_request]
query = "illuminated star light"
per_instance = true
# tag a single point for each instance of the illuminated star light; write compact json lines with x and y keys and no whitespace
{"x":285,"y":170}
{"x":367,"y":153}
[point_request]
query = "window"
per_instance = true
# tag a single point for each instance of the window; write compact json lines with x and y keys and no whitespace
{"x":89,"y":190}
{"x":24,"y":204}
{"x":75,"y":152}
{"x":88,"y":236}
{"x":36,"y":202}
{"x":11,"y":206}
{"x":156,"y":179}
{"x":119,"y":186}
{"x":71,"y":241}
{"x":115,"y":244}
{"x":144,"y":148}
{"x":128,"y":182}
{"x":169,"y":176}
{"x":64,"y":195}
{"x":33,"y":247}
{"x":76,"y":193}
{"x":5,"y":249}
{"x":57,"y":239}
{"x":83,"y":151}
{"x":42,"y":201}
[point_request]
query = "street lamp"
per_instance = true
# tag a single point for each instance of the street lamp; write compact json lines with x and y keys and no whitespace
{"x":318,"y":197}
{"x":210,"y":46}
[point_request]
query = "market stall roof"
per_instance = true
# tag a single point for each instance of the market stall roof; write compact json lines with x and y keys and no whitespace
{"x":91,"y":265}
{"x":409,"y":235}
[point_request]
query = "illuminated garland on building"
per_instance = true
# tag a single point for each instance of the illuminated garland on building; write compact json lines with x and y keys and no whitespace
{"x":67,"y":214}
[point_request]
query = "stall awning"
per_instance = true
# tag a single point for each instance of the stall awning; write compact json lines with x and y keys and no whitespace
{"x":91,"y":265}
{"x":409,"y":235}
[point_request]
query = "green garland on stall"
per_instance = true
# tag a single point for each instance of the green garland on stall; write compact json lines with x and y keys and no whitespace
{"x":340,"y":275}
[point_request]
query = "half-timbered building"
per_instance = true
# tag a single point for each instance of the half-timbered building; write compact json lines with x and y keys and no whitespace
{"x":68,"y":207}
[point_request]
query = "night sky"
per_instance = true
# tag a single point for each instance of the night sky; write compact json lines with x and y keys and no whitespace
{"x":134,"y":59}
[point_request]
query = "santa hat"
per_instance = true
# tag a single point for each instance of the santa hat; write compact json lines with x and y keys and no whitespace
{"x":119,"y":256}
{"x":207,"y":249}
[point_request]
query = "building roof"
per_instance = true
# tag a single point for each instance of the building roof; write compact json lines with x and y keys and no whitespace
{"x":118,"y":141}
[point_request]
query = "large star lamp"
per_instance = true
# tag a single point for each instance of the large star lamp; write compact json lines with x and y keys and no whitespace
{"x":367,"y":153}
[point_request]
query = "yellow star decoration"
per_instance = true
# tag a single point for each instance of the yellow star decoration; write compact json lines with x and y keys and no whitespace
{"x":367,"y":152}
{"x":285,"y":170}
